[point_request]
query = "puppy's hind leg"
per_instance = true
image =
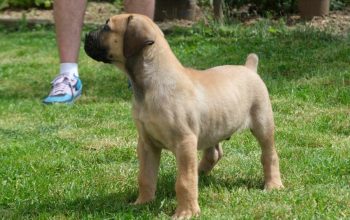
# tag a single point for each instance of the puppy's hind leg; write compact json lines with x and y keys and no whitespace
{"x":210,"y":158}
{"x":263,"y":130}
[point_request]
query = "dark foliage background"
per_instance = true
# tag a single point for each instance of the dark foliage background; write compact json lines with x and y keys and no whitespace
{"x":262,"y":7}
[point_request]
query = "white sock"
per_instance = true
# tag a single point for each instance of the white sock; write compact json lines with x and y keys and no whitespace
{"x":70,"y":68}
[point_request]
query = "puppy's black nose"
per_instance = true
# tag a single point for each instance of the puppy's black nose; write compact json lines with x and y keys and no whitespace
{"x":94,"y":48}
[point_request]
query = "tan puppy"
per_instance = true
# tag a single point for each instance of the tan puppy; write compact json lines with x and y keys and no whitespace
{"x":184,"y":110}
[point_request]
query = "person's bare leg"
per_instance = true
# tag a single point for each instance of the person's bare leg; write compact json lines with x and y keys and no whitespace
{"x":144,"y":7}
{"x":69,"y":17}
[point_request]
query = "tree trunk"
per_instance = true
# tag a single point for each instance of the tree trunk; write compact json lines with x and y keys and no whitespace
{"x":310,"y":8}
{"x":218,"y":10}
{"x":175,"y":9}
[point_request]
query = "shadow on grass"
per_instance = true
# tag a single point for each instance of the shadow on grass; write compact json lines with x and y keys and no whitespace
{"x":104,"y":205}
{"x":231,"y":182}
{"x":97,"y":205}
{"x":119,"y":203}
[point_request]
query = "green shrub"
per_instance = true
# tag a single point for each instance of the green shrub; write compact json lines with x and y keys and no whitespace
{"x":25,"y":3}
{"x":266,"y":6}
{"x":36,"y":3}
{"x":339,"y":4}
{"x":234,"y":11}
{"x":262,"y":6}
{"x":276,"y":7}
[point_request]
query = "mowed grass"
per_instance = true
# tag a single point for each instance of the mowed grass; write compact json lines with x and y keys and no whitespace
{"x":79,"y":161}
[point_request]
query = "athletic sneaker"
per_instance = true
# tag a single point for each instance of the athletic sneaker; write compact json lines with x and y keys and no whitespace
{"x":65,"y":89}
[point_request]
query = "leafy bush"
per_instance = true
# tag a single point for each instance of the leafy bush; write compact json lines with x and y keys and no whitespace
{"x":339,"y":4}
{"x":25,"y":3}
{"x":264,"y":6}
{"x":36,"y":3}
{"x":277,"y":7}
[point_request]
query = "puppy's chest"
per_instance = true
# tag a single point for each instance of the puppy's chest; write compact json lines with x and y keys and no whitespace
{"x":156,"y":127}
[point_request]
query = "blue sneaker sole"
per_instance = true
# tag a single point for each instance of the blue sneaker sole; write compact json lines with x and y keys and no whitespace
{"x":70,"y":101}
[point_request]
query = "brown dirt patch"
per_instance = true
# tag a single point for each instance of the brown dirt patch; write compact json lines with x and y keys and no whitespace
{"x":337,"y":22}
{"x":96,"y":13}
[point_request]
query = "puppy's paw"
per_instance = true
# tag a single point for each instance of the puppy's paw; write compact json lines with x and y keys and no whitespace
{"x":273,"y":185}
{"x":186,"y":213}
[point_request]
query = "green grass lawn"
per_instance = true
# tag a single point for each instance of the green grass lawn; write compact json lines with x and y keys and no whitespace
{"x":79,"y":161}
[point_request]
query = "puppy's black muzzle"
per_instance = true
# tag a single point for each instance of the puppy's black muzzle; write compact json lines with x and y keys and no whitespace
{"x":94,"y":46}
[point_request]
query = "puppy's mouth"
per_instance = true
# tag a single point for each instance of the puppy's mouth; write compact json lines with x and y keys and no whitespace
{"x":94,"y":48}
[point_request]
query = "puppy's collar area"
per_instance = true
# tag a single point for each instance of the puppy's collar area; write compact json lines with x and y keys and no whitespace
{"x":130,"y":64}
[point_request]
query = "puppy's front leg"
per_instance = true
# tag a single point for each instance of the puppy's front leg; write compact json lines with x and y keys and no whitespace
{"x":149,"y":158}
{"x":187,"y":179}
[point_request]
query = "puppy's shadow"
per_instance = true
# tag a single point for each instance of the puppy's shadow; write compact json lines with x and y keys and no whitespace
{"x":112,"y":204}
{"x":230,"y":182}
{"x":104,"y":205}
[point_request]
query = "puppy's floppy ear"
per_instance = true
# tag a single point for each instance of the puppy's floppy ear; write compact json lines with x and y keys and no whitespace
{"x":138,"y":34}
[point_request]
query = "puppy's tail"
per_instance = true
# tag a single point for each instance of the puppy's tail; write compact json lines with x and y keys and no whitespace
{"x":252,"y":62}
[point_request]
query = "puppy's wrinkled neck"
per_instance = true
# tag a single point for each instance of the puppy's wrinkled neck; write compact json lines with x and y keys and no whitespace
{"x":152,"y":71}
{"x":134,"y":66}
